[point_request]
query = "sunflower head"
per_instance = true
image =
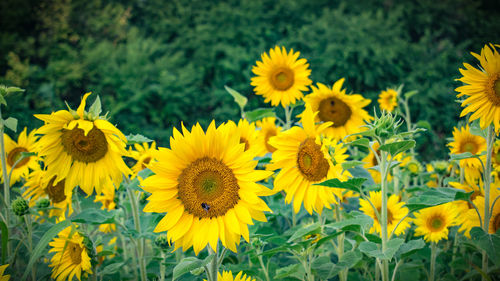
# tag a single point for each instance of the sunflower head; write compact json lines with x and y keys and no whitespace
{"x":281,"y":77}
{"x":344,"y":111}
{"x":143,"y":154}
{"x":267,"y":130}
{"x":228,"y":276}
{"x":4,"y":277}
{"x":465,"y":141}
{"x":15,"y":162}
{"x":482,"y":88}
{"x":388,"y":100}
{"x":433,"y":222}
{"x":249,"y":136}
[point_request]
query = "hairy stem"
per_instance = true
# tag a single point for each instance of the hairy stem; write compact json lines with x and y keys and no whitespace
{"x":490,"y":139}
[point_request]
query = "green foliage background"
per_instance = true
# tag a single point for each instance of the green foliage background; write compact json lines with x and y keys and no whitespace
{"x":156,"y":63}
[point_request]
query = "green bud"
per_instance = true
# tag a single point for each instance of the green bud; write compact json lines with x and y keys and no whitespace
{"x":440,"y":166}
{"x":162,"y":242}
{"x":43,"y":203}
{"x":20,"y":206}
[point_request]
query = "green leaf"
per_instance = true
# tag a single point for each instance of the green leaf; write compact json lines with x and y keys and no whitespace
{"x":410,"y":247}
{"x":363,"y":142}
{"x":461,"y":156}
{"x":487,"y":242}
{"x":94,"y":216}
{"x":297,"y":103}
{"x":351,"y":164}
{"x":328,"y":238}
{"x":395,"y":148}
{"x":137,"y":138}
{"x":2,"y":100}
{"x":373,"y":250}
{"x":294,"y":270}
{"x":11,"y":123}
{"x":11,"y":90}
{"x":352,"y":218}
{"x":410,"y":94}
{"x":95,"y":109}
{"x":353,"y":184}
{"x":238,"y":98}
{"x":350,"y":259}
{"x":259,"y":113}
{"x":434,"y":197}
{"x":42,"y":244}
{"x":5,"y":240}
{"x":303,"y":231}
{"x":112,"y":268}
{"x":190,"y":263}
{"x":326,"y":269}
{"x":424,"y":124}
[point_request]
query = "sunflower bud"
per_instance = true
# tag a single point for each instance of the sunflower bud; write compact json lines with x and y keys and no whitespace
{"x":20,"y":206}
{"x":162,"y":242}
{"x":440,"y":167}
{"x":42,"y":203}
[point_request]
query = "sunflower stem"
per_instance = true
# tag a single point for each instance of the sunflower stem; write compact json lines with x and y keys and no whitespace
{"x":383,"y":224}
{"x":6,"y":182}
{"x":29,"y":230}
{"x":432,"y":272}
{"x":288,"y":117}
{"x":140,"y":243}
{"x":162,"y":266}
{"x":490,"y":139}
{"x":340,"y":242}
{"x":214,"y":264}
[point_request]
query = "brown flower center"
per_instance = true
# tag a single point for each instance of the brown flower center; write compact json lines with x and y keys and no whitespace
{"x":311,"y":161}
{"x":269,"y":134}
{"x":55,"y":192}
{"x":469,"y":147}
{"x":493,"y":89}
{"x":282,"y":78}
{"x":208,"y":188}
{"x":89,"y":148}
{"x":436,"y":223}
{"x":473,"y":196}
{"x":496,"y":223}
{"x":245,"y":141}
{"x":14,"y":155}
{"x":335,"y":110}
{"x":145,"y":162}
{"x":75,"y":252}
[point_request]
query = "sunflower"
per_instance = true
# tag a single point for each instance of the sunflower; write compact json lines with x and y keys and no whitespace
{"x":433,"y":181}
{"x":248,"y":136}
{"x":395,"y":212}
{"x":465,"y":141}
{"x":144,"y":154}
{"x":107,"y":198}
{"x":71,"y":257}
{"x":39,"y":185}
{"x":85,"y":150}
{"x":482,"y":88}
{"x":334,"y":105}
{"x":463,"y":207}
{"x":281,"y":78}
{"x":471,"y":218}
{"x":13,"y":150}
{"x":206,"y":185}
{"x":433,"y":222}
{"x":228,"y":276}
{"x":2,"y":270}
{"x":388,"y":100}
{"x":495,"y":159}
{"x":304,"y":159}
{"x":267,"y":130}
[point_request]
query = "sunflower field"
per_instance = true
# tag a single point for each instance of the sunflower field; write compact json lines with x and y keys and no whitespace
{"x":312,"y":181}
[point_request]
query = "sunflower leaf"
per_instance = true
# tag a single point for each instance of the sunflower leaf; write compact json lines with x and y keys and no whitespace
{"x":11,"y":123}
{"x":487,"y":242}
{"x":238,"y":98}
{"x":294,"y":270}
{"x":461,"y":156}
{"x":188,"y":264}
{"x":410,"y":94}
{"x":372,"y":249}
{"x":351,"y":164}
{"x":303,"y":231}
{"x":5,"y":240}
{"x":395,"y":148}
{"x":137,"y":138}
{"x":95,"y":109}
{"x":94,"y":216}
{"x":325,"y":268}
{"x":259,"y":113}
{"x":410,"y":247}
{"x":363,"y":142}
{"x":353,"y":218}
{"x":434,"y":197}
{"x":353,"y":184}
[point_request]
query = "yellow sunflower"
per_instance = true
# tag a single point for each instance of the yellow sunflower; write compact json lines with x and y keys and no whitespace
{"x":471,"y":219}
{"x":39,"y":185}
{"x":85,"y":150}
{"x":482,"y":88}
{"x":13,"y":150}
{"x":228,"y":276}
{"x":71,"y":257}
{"x":281,"y":78}
{"x":334,"y":105}
{"x":2,"y":270}
{"x":463,"y":207}
{"x":388,"y":100}
{"x":465,"y":141}
{"x":395,"y":212}
{"x":107,"y":198}
{"x":495,"y":159}
{"x":206,"y":183}
{"x":267,"y":130}
{"x":433,"y":182}
{"x":248,"y":136}
{"x":304,"y":160}
{"x":143,"y":154}
{"x":433,"y":222}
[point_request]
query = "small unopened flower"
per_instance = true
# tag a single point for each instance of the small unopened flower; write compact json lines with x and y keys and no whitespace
{"x":20,"y":206}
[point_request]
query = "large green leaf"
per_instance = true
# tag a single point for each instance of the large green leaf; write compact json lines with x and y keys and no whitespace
{"x":353,"y":184}
{"x":238,"y":98}
{"x":362,"y":142}
{"x":461,"y":156}
{"x":410,"y":247}
{"x":374,"y":250}
{"x":11,"y":123}
{"x":137,"y":138}
{"x":436,"y":196}
{"x":259,"y":113}
{"x":352,"y":218}
{"x":395,"y":148}
{"x":94,"y":216}
{"x":190,"y":263}
{"x":326,"y":269}
{"x":487,"y":242}
{"x":303,"y":231}
{"x":293,"y":270}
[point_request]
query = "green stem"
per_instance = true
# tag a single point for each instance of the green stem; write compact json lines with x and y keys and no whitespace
{"x":29,"y":228}
{"x":140,"y":242}
{"x":340,"y":242}
{"x":490,"y":139}
{"x":6,"y":183}
{"x":214,"y":264}
{"x":162,"y":266}
{"x":432,"y":272}
{"x":288,"y":117}
{"x":264,"y":268}
{"x":383,"y":209}
{"x":408,"y":120}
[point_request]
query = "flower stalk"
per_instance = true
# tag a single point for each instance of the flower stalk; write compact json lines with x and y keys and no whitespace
{"x":490,"y":140}
{"x":6,"y":182}
{"x":140,"y":243}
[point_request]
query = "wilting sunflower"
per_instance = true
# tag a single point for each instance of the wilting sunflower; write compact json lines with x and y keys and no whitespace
{"x":2,"y":270}
{"x":395,"y":212}
{"x":248,"y":136}
{"x":433,"y":222}
{"x":267,"y":130}
{"x":71,"y":257}
{"x":39,"y":186}
{"x":334,"y":105}
{"x":13,"y":150}
{"x":304,"y":160}
{"x":465,"y":141}
{"x":206,"y":183}
{"x":471,"y":219}
{"x":281,"y":78}
{"x":482,"y":88}
{"x":388,"y":100}
{"x":463,"y":207}
{"x":107,"y":198}
{"x":85,"y":150}
{"x":143,"y":154}
{"x":228,"y":276}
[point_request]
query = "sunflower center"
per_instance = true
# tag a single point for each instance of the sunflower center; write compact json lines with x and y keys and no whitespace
{"x":55,"y":192}
{"x":311,"y":161}
{"x":208,"y":188}
{"x":436,"y":223}
{"x":493,"y":89}
{"x":496,"y":157}
{"x":14,"y":155}
{"x":89,"y":148}
{"x":75,"y":252}
{"x":269,"y":134}
{"x":413,"y":167}
{"x":145,"y":162}
{"x":335,"y":110}
{"x":282,"y":78}
{"x":245,"y":141}
{"x":496,"y":223}
{"x":469,"y":147}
